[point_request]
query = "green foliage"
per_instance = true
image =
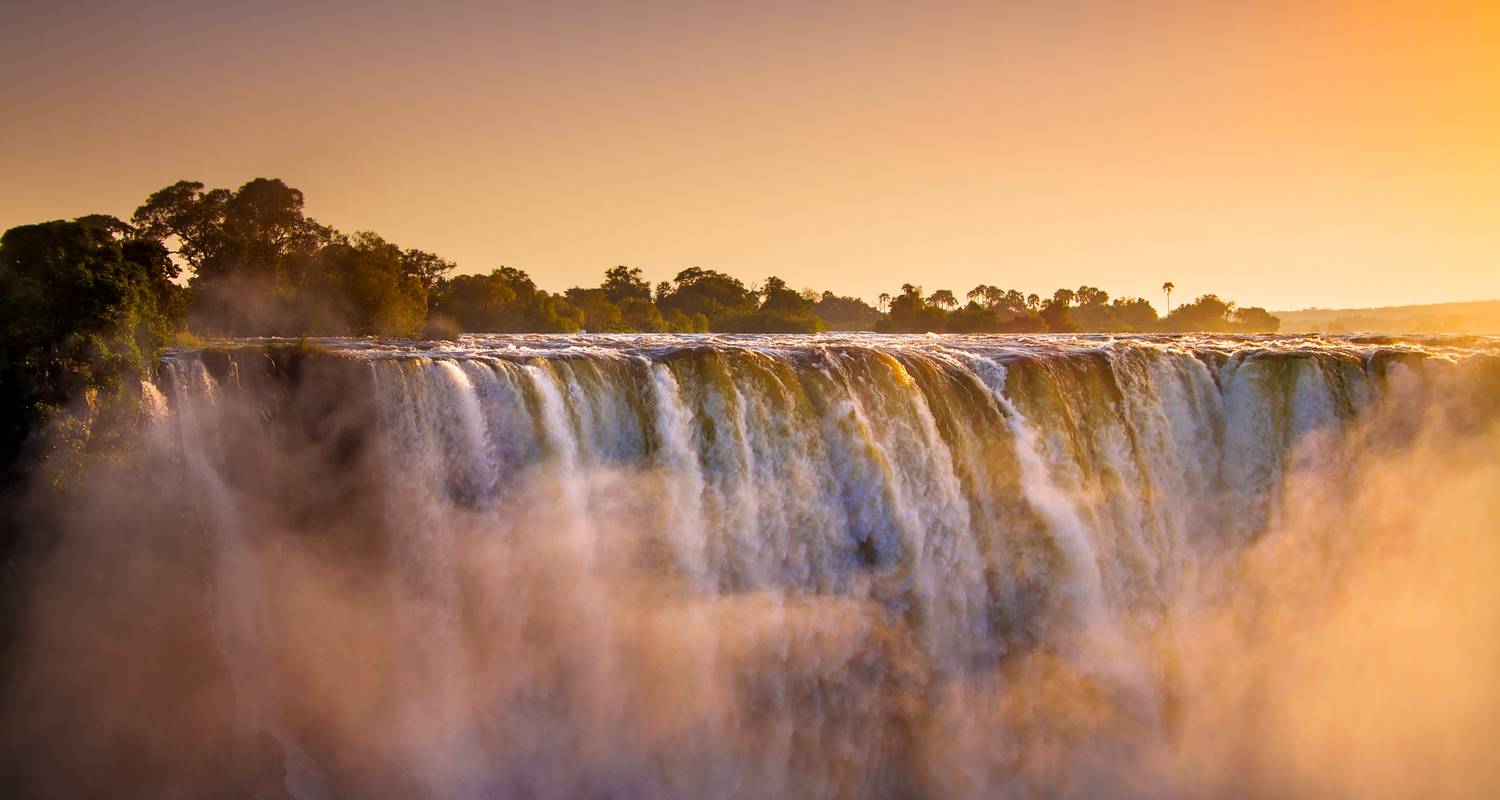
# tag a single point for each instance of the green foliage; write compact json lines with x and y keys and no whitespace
{"x":912,"y":313}
{"x":505,"y":301}
{"x":781,"y":311}
{"x":1057,"y":314}
{"x":642,"y":315}
{"x":1207,"y":313}
{"x":1133,"y":315}
{"x":705,"y":292}
{"x":845,"y":313}
{"x":84,"y":308}
{"x":260,"y":266}
{"x":994,"y":310}
{"x":86,"y":305}
{"x":249,"y":251}
{"x":623,"y":284}
{"x":600,"y":314}
{"x":944,"y":299}
{"x":256,"y":264}
{"x":1255,"y":319}
{"x":371,"y":286}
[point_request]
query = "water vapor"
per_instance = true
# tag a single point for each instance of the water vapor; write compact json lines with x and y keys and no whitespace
{"x":761,"y":567}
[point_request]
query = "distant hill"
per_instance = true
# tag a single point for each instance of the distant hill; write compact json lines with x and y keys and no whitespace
{"x":1480,"y":316}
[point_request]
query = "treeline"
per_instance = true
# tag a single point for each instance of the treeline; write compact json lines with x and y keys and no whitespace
{"x":255,"y":265}
{"x":697,"y":300}
{"x":1088,"y":309}
{"x":86,"y":304}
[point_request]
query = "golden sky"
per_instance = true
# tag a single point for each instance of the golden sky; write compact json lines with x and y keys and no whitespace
{"x":1283,"y":154}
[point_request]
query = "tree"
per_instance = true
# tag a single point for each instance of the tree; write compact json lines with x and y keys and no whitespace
{"x":366,"y":285}
{"x":781,"y":311}
{"x":944,"y":299}
{"x":708,"y":292}
{"x":1208,"y":313}
{"x":975,"y":318}
{"x":622,"y":283}
{"x":81,"y":310}
{"x":249,"y":251}
{"x":642,"y":315}
{"x":427,"y":268}
{"x":1055,"y":313}
{"x":985,"y":295}
{"x":477,"y":303}
{"x":600,"y":314}
{"x":1133,"y":315}
{"x":1168,"y":287}
{"x":1090,"y":296}
{"x":259,"y":265}
{"x":845,"y":313}
{"x":186,"y":219}
{"x":505,"y":301}
{"x":777,"y":297}
{"x":1255,"y":319}
{"x":912,"y":313}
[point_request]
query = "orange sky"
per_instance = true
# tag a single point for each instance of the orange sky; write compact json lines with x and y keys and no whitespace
{"x":1283,"y":154}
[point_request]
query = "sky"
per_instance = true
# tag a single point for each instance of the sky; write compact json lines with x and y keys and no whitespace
{"x":1282,"y":154}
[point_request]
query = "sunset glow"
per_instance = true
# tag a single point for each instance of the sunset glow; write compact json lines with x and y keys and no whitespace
{"x":1284,"y":154}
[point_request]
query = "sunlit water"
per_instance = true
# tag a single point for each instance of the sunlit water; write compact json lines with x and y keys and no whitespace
{"x":829,"y":566}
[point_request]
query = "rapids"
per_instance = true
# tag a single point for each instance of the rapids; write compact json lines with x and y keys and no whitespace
{"x":770,"y":566}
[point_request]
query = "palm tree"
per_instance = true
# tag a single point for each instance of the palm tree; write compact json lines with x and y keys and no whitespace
{"x":885,"y":301}
{"x":943,"y":298}
{"x":1168,"y":287}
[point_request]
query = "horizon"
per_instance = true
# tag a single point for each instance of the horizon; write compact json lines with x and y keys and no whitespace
{"x":1341,"y":157}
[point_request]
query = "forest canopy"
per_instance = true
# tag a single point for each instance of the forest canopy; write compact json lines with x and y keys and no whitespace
{"x":250,"y":262}
{"x":87,"y":304}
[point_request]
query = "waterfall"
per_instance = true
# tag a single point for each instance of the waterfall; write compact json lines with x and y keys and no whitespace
{"x":775,"y":565}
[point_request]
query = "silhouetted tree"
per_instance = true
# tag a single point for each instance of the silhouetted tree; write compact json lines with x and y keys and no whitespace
{"x":911,"y":313}
{"x":1208,"y":313}
{"x":623,"y":283}
{"x":1055,"y":313}
{"x":781,"y":311}
{"x":944,"y":299}
{"x":1133,"y":315}
{"x":845,"y":313}
{"x":505,"y":301}
{"x":1255,"y":319}
{"x":707,"y":292}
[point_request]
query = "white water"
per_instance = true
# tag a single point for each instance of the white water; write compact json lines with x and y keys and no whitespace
{"x":763,"y":566}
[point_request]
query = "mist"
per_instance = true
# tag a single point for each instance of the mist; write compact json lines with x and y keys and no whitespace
{"x":897,"y":568}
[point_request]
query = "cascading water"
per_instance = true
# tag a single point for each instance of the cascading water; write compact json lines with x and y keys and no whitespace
{"x":779,"y":566}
